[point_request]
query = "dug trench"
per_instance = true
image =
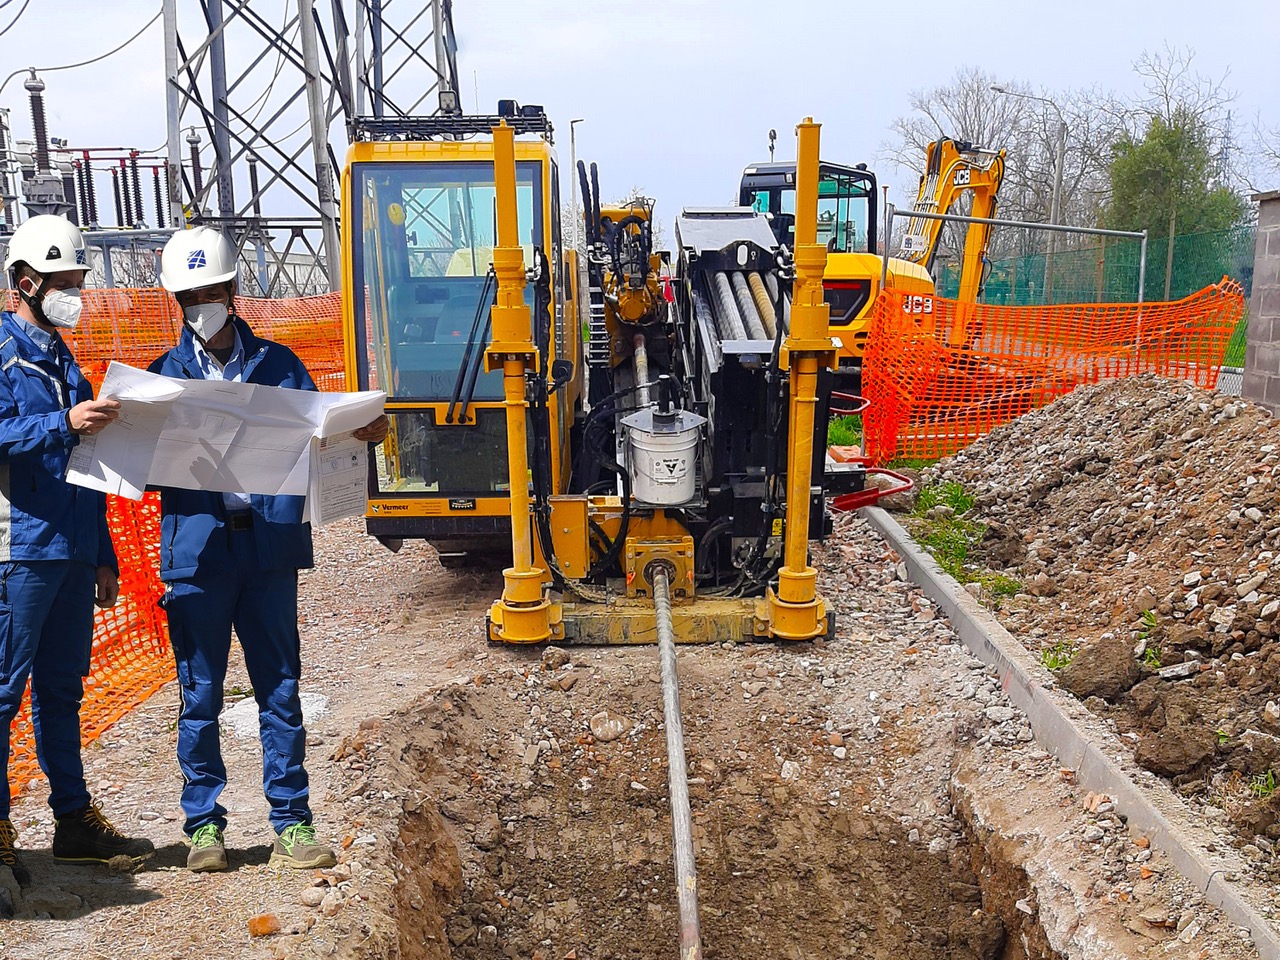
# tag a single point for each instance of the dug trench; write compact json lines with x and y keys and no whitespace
{"x":849,"y":800}
{"x":572,"y":855}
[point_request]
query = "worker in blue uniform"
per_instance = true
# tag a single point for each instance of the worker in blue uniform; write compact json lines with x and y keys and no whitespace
{"x":232,"y":559}
{"x":56,"y":557}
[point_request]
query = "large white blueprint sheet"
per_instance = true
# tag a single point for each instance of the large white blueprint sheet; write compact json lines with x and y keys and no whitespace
{"x":225,"y":437}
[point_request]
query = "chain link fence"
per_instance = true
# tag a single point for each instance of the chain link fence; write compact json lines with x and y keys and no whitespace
{"x":1107,"y":271}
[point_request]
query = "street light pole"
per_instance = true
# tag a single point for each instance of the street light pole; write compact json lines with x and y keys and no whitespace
{"x":573,"y":182}
{"x":1055,"y":202}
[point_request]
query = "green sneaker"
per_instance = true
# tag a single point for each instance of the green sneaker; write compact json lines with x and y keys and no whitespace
{"x":296,"y":847}
{"x":208,"y":852}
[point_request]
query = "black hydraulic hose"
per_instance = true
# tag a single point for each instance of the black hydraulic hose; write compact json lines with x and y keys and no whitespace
{"x":595,"y":198}
{"x":593,"y":225}
{"x":702,"y":563}
{"x":465,"y":365}
{"x":541,"y":469}
{"x":619,"y":234}
{"x":605,"y":459}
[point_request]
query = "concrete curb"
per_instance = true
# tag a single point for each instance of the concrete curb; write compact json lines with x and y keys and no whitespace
{"x":1062,"y":725}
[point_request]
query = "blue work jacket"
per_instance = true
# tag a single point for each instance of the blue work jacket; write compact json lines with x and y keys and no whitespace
{"x":42,"y":517}
{"x":193,"y":522}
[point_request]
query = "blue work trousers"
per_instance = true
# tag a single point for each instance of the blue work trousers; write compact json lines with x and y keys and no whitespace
{"x":262,"y":605}
{"x":46,"y":633}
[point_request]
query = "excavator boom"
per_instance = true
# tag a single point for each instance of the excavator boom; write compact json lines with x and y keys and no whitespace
{"x":953,"y":168}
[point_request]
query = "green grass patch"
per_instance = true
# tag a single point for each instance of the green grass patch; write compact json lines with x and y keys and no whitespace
{"x":1236,"y":345}
{"x":912,"y":463}
{"x":948,"y":540}
{"x":844,"y":431}
{"x":1058,"y":656}
{"x":1264,"y":784}
{"x":945,"y":494}
{"x":951,"y":539}
{"x":998,"y":585}
{"x":1152,"y":658}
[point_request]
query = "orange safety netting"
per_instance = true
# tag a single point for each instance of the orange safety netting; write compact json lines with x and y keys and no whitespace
{"x":939,"y":373}
{"x":131,"y":655}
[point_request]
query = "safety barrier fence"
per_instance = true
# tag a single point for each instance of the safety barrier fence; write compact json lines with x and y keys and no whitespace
{"x":131,"y":655}
{"x":939,"y":373}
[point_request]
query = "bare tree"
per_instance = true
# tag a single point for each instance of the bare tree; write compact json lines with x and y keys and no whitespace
{"x":1264,"y":164}
{"x":969,"y":109}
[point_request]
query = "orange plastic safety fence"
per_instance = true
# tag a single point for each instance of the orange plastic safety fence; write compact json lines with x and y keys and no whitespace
{"x":131,"y":654}
{"x":939,"y":373}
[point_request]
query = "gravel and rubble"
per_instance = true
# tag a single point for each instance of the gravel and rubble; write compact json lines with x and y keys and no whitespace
{"x":1140,"y":517}
{"x":495,"y":802}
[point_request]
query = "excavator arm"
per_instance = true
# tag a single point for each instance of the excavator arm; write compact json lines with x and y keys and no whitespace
{"x":952,"y":168}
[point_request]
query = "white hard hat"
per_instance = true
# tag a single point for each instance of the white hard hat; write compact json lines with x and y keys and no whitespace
{"x":47,"y":244}
{"x":199,"y":257}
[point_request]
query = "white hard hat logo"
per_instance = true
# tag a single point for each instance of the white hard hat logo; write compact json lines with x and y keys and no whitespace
{"x":53,"y":254}
{"x":82,"y":258}
{"x":196,"y":259}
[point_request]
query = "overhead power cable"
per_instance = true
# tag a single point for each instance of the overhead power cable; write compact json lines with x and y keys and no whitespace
{"x":83,"y":63}
{"x":16,"y":18}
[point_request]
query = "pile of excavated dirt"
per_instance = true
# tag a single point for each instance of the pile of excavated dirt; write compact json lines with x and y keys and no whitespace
{"x":1140,"y":517}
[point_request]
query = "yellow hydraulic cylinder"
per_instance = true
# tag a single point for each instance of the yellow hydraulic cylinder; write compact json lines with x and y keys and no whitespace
{"x":523,"y":615}
{"x":796,"y":612}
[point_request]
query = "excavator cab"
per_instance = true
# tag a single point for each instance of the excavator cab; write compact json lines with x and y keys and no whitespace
{"x":847,"y":212}
{"x":846,"y":203}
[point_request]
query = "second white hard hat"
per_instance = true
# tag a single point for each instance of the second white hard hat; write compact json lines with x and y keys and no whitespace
{"x":47,"y":244}
{"x":196,"y":258}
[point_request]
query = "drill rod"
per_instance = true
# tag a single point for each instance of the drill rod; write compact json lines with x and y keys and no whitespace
{"x":677,"y":775}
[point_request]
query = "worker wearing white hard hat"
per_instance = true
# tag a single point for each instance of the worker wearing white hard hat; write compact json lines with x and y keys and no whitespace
{"x":56,"y":557}
{"x":232,"y":560}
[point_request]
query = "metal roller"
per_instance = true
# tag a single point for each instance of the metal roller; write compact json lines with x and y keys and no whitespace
{"x":747,"y":306}
{"x":771,"y":282}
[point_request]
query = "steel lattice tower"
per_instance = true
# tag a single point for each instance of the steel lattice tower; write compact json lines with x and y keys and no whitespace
{"x":266,"y":94}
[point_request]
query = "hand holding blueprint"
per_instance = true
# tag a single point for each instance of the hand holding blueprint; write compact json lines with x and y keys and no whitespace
{"x":227,"y":437}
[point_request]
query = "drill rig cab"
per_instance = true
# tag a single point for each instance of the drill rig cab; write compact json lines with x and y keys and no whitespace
{"x":419,"y":230}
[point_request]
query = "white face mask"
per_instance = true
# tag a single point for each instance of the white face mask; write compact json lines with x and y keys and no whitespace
{"x":62,"y":307}
{"x":206,"y":320}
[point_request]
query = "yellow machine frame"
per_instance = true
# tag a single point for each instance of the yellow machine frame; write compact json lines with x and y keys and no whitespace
{"x":526,"y":612}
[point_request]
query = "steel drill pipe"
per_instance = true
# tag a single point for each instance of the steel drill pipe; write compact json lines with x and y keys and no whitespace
{"x":747,"y":307}
{"x":677,"y":776}
{"x":761,"y":297}
{"x":728,"y":318}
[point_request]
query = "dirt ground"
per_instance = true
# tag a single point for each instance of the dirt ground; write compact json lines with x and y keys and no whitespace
{"x":509,"y":803}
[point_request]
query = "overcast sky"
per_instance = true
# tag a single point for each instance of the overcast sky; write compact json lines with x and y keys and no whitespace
{"x":678,"y":96}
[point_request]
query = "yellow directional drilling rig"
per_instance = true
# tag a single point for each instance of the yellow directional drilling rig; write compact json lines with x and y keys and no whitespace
{"x":682,"y":444}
